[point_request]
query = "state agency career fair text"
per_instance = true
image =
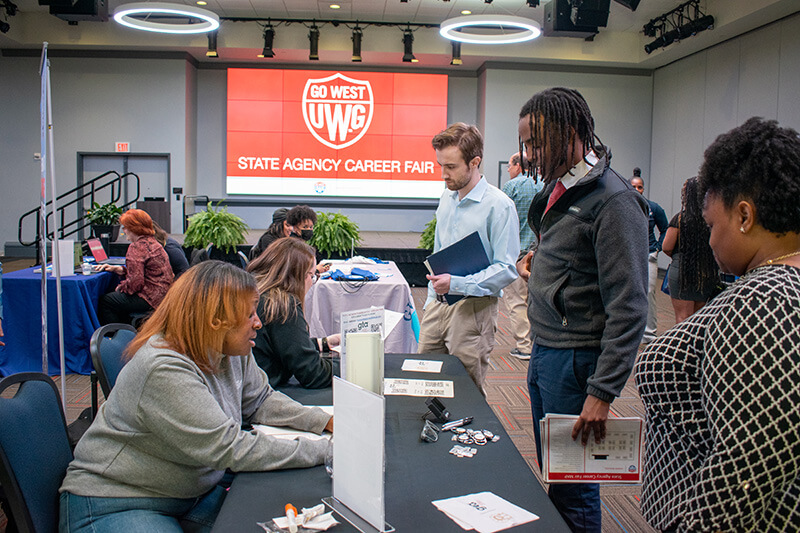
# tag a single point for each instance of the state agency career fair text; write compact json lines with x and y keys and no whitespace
{"x":332,"y":165}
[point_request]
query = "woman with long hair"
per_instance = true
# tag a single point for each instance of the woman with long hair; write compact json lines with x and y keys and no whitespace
{"x":156,"y":454}
{"x":283,"y":348}
{"x":146,"y":275}
{"x":721,"y":389}
{"x":693,"y":274}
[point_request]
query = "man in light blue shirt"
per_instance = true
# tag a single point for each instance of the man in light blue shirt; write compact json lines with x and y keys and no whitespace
{"x":466,"y":328}
{"x":521,"y":189}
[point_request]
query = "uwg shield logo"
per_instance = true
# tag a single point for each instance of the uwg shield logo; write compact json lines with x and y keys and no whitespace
{"x":337,"y":109}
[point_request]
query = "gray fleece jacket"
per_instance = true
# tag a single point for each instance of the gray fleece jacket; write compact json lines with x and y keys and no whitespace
{"x":588,"y":283}
{"x":170,"y":430}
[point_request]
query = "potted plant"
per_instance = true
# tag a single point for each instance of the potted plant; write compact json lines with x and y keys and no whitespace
{"x":427,"y":238}
{"x":334,"y":233}
{"x":104,"y":220}
{"x":218,"y":227}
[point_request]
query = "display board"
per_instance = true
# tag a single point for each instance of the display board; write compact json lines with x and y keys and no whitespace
{"x":329,"y":133}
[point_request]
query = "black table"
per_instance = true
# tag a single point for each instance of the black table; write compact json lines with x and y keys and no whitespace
{"x":416,"y":472}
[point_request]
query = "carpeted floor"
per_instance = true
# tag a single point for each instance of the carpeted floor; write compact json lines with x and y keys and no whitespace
{"x":507,"y":393}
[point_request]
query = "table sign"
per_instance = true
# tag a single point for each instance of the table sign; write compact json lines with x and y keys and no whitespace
{"x":421,"y":365}
{"x":616,"y":459}
{"x":417,"y":387}
{"x":360,"y":321}
{"x":358,"y":455}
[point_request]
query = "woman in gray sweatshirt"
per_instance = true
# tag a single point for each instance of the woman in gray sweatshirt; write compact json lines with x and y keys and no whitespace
{"x":156,"y":453}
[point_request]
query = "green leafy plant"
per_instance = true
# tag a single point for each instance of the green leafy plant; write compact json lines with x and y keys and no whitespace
{"x":334,"y":232}
{"x":215,"y":226}
{"x":426,"y":239}
{"x":104,"y":215}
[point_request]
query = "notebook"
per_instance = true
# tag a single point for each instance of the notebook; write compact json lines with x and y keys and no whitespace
{"x":99,"y":254}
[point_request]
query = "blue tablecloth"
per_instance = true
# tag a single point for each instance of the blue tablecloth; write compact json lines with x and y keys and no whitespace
{"x":22,"y":322}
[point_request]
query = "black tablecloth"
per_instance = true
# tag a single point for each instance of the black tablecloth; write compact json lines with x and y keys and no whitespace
{"x":416,"y":472}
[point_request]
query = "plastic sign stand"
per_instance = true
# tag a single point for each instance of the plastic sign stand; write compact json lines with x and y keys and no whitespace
{"x":364,"y":361}
{"x":359,"y":457}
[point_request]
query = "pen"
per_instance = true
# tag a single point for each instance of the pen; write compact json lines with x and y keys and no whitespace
{"x":291,"y":516}
{"x":457,"y":423}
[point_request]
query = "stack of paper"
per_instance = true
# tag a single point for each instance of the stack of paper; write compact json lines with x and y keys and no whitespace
{"x":616,"y":459}
{"x":484,"y":512}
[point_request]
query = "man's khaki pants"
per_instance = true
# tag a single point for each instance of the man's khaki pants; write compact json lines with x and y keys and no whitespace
{"x":464,"y":329}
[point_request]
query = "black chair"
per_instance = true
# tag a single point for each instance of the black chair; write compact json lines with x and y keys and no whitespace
{"x":107,"y":346}
{"x":34,"y":451}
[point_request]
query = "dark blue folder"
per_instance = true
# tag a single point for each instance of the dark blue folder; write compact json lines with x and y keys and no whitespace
{"x":461,"y":258}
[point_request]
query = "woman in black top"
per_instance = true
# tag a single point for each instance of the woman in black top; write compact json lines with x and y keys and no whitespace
{"x":285,"y":272}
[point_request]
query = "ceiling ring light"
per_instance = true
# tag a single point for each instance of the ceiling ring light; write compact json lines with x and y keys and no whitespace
{"x":522,"y":29}
{"x":198,"y":20}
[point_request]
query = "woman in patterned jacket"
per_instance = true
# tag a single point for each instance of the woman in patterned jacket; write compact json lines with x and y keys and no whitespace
{"x":721,"y":389}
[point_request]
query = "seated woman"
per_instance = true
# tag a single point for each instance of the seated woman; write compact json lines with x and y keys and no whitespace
{"x":285,"y":273}
{"x":721,"y":389}
{"x":177,"y":257}
{"x":146,"y":275}
{"x":159,"y":447}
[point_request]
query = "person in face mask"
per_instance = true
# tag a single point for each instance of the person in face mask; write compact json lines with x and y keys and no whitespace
{"x":296,"y":222}
{"x":300,"y":222}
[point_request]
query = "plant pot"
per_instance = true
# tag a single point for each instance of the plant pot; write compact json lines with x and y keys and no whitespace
{"x":110,"y":231}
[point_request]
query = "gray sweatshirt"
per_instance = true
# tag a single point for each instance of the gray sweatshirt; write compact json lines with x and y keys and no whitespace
{"x":588,"y":284}
{"x":170,"y":430}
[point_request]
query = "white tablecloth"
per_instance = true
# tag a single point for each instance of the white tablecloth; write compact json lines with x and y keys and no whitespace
{"x":327,"y":299}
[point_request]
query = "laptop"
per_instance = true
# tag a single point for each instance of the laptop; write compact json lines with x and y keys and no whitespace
{"x":99,"y":254}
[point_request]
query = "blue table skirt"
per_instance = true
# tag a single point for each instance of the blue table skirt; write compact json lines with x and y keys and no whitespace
{"x":22,"y":322}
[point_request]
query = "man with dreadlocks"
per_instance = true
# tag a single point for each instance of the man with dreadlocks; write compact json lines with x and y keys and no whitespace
{"x":587,"y":300}
{"x":466,"y":328}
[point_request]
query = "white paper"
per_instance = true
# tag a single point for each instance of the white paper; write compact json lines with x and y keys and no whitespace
{"x":616,"y":459}
{"x":359,"y":321}
{"x":417,"y":387}
{"x":364,"y":362}
{"x":358,"y":451}
{"x":485,"y":512}
{"x":318,"y":523}
{"x":66,"y":257}
{"x":390,"y":319}
{"x":291,"y":433}
{"x":422,"y":365}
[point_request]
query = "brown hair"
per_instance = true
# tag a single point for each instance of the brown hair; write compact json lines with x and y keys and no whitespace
{"x":280,"y":273}
{"x":466,"y":137}
{"x":137,"y":221}
{"x":200,"y":308}
{"x":160,"y":234}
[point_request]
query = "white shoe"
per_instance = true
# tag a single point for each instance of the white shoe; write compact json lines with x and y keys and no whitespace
{"x":519,"y":355}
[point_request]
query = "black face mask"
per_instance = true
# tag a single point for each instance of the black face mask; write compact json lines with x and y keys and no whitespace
{"x":306,"y":234}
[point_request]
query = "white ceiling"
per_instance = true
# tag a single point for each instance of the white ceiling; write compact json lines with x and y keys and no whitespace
{"x":618,"y":45}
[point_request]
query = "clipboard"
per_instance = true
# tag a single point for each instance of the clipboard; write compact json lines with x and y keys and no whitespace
{"x":461,"y":258}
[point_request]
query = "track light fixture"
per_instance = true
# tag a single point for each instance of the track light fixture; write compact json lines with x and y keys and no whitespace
{"x":356,"y":44}
{"x":408,"y":47}
{"x":684,"y":21}
{"x":212,"y":45}
{"x":313,"y":39}
{"x":269,"y":37}
{"x":4,"y":26}
{"x":10,"y":7}
{"x":533,"y":3}
{"x":456,"y":54}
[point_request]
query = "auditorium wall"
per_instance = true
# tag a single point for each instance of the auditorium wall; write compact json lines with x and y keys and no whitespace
{"x":704,"y":95}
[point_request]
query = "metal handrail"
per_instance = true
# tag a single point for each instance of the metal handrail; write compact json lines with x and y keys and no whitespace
{"x":82,"y":192}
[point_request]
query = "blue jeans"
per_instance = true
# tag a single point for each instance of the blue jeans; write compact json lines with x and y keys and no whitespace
{"x":89,"y":514}
{"x":557,"y":384}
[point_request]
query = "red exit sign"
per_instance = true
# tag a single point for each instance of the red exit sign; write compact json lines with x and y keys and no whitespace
{"x":122,"y":147}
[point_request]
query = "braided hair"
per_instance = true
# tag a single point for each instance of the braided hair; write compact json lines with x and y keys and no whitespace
{"x":699,"y":270}
{"x":559,"y":111}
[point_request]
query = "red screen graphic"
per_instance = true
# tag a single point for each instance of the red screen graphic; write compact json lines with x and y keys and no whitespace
{"x":329,"y":133}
